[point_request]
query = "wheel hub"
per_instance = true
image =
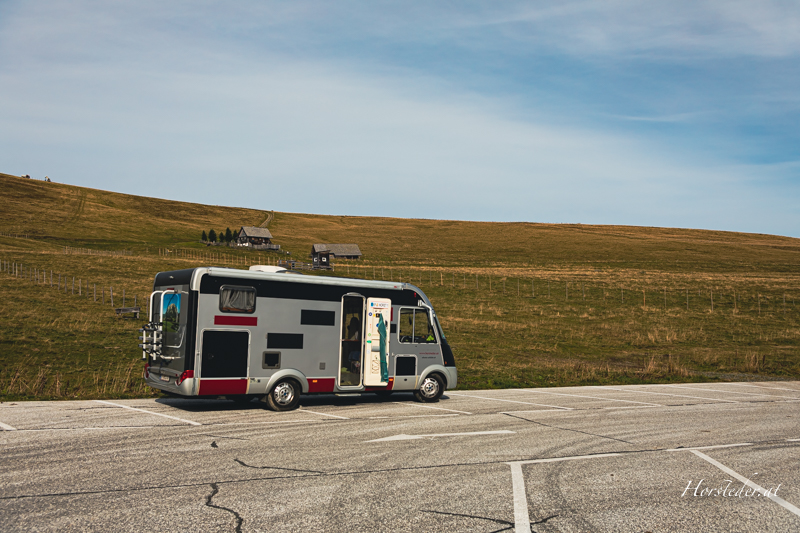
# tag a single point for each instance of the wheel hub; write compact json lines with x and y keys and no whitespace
{"x":429,"y":387}
{"x":284,"y":394}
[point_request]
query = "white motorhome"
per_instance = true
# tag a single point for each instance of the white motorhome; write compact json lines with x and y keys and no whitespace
{"x":271,"y":334}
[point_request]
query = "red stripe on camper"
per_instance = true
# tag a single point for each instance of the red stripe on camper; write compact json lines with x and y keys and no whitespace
{"x":386,"y":388}
{"x":220,"y":320}
{"x":321,"y":384}
{"x":212,"y":387}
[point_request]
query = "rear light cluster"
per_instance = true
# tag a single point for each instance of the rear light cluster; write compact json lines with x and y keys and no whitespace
{"x":146,"y":370}
{"x":187,"y":374}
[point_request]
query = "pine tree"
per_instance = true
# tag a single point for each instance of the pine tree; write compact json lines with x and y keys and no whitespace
{"x":204,"y":237}
{"x":212,"y":236}
{"x":228,"y":235}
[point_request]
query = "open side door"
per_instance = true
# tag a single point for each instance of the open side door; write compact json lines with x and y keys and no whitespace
{"x":376,"y":347}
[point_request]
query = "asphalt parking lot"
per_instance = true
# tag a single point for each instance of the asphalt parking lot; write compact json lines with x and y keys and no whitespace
{"x":698,"y":457}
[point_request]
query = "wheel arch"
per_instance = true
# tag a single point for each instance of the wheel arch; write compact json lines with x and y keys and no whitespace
{"x":290,"y":373}
{"x":436,"y":369}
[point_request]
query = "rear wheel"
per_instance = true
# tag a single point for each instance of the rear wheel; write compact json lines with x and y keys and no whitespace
{"x":284,"y":396}
{"x":431,"y":389}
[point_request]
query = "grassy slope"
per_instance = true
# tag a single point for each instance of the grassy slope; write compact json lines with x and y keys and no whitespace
{"x":56,"y":344}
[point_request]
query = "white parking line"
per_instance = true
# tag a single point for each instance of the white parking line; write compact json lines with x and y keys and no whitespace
{"x":512,"y":401}
{"x":762,"y":387}
{"x":633,"y":406}
{"x":522,"y":521}
{"x":714,"y":447}
{"x":774,"y":497}
{"x":431,"y":407}
{"x":323,"y":414}
{"x":591,"y":397}
{"x":532,"y":411}
{"x":405,"y":416}
{"x":676,"y":395}
{"x":403,"y":436}
{"x":149,"y":412}
{"x":732,"y":392}
{"x":568,"y":458}
{"x":265,"y":422}
{"x":6,"y":427}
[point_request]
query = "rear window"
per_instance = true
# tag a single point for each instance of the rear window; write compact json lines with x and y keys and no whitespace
{"x":235,"y":299}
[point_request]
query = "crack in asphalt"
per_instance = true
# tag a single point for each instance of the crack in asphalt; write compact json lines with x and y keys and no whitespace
{"x":567,"y":429}
{"x":239,"y":519}
{"x":281,"y":468}
{"x":509,"y":525}
{"x":311,"y":473}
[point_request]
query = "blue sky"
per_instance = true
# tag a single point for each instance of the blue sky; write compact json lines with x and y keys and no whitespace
{"x":679,"y":114}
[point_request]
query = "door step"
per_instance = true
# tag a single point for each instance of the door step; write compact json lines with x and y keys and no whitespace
{"x":348,"y":394}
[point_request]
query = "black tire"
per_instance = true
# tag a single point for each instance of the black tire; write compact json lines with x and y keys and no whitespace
{"x":284,"y":396}
{"x":430,"y":390}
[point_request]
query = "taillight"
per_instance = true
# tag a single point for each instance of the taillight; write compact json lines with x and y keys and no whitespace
{"x":146,"y":370}
{"x":185,"y":375}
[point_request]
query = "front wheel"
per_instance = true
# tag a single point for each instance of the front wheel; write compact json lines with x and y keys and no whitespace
{"x":284,"y":396}
{"x":431,"y":389}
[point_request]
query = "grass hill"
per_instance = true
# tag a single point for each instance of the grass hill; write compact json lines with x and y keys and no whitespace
{"x":523,"y":304}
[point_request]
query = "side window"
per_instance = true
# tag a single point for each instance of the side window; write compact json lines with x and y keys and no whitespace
{"x":415,"y":326}
{"x":233,"y":299}
{"x":406,"y":325}
{"x":423,"y":330}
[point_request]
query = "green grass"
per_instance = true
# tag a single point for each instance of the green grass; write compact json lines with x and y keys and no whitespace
{"x":568,"y":325}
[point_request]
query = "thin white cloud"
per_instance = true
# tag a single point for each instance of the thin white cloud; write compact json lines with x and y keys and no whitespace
{"x":727,"y":28}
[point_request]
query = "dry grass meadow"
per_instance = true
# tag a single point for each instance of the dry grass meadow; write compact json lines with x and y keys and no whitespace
{"x":522,"y":304}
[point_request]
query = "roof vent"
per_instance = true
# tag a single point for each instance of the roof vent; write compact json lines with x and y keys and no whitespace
{"x":267,"y":268}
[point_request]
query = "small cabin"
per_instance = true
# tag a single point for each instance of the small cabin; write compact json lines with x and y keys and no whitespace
{"x":252,"y":236}
{"x":321,"y":254}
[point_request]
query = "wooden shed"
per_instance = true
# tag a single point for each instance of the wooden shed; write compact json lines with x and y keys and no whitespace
{"x":339,"y":251}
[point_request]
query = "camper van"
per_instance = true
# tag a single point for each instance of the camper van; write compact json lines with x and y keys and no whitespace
{"x":272,"y":335}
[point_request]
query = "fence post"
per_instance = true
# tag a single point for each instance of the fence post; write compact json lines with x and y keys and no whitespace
{"x":73,"y":285}
{"x":111,"y":295}
{"x":712,"y":299}
{"x":95,"y":293}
